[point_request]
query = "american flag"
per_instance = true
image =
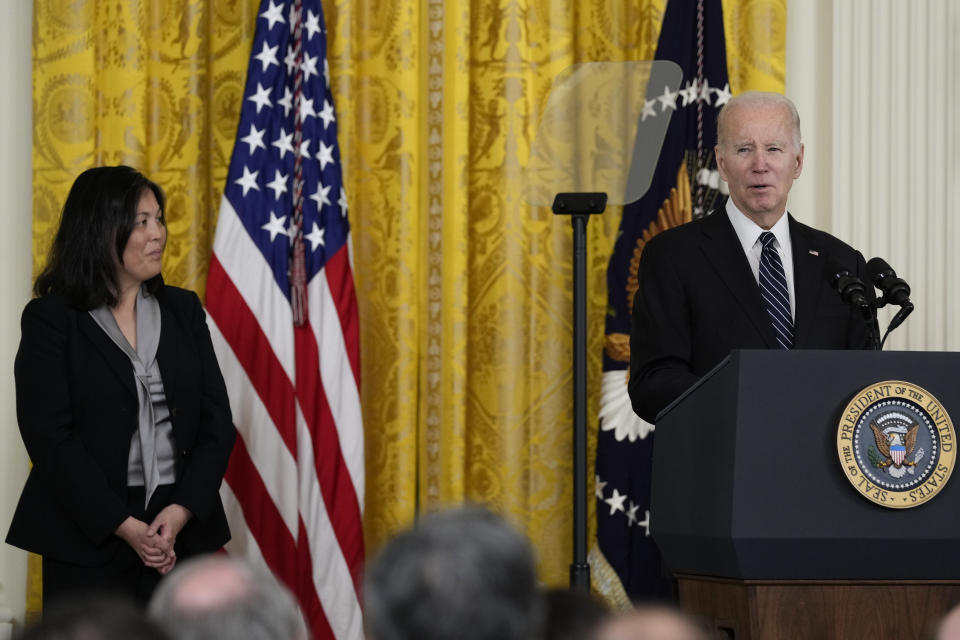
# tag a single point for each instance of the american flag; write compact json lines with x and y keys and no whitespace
{"x":283,"y":314}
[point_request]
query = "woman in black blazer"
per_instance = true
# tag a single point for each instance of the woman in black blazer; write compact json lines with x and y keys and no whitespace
{"x":120,"y":401}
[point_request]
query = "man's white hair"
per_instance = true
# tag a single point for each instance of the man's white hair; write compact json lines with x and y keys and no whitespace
{"x":758,"y":99}
{"x":215,"y":596}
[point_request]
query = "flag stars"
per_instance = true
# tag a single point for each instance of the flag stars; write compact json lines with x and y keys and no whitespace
{"x":723,"y":95}
{"x":689,"y":94}
{"x":286,"y":101}
{"x":254,"y":139}
{"x":705,"y":91}
{"x":616,"y":501}
{"x":326,"y":72}
{"x":306,"y":109}
{"x":648,"y":109}
{"x":275,"y":226}
{"x":599,"y":485}
{"x":312,"y":24}
{"x":325,"y":155}
{"x":315,"y":237}
{"x":309,"y":66}
{"x":342,"y":202}
{"x":321,"y":196}
{"x":268,"y":56}
{"x":248,"y":180}
{"x":668,"y":100}
{"x":645,"y":523}
{"x":292,"y":231}
{"x":631,"y":514}
{"x":290,"y":60}
{"x":326,"y":114}
{"x":262,"y":97}
{"x":278,"y":184}
{"x":304,"y":151}
{"x":273,"y":14}
{"x":284,"y":142}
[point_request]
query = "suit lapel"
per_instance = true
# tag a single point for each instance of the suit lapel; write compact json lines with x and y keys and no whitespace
{"x":166,"y":351}
{"x":808,"y":261}
{"x":117,"y":359}
{"x":722,"y":249}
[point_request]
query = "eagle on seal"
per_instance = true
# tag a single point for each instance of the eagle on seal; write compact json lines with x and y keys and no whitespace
{"x":895,"y":443}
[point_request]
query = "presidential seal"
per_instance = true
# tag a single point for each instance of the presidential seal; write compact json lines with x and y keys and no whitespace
{"x":896,"y":444}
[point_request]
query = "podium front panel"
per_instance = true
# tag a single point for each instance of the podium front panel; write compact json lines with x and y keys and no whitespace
{"x":747,"y":482}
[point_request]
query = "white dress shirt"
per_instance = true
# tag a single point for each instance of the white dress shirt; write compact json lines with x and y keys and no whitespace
{"x":749,"y":232}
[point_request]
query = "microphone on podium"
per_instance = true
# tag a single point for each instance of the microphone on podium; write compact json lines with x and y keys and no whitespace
{"x":852,"y":289}
{"x":895,"y":290}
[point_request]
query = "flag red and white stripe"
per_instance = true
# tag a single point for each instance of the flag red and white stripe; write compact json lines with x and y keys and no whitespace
{"x":295,"y":484}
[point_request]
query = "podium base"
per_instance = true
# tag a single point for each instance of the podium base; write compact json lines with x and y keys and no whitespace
{"x":814,"y":610}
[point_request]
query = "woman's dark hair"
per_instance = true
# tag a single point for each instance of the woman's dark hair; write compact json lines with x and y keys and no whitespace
{"x":95,"y":225}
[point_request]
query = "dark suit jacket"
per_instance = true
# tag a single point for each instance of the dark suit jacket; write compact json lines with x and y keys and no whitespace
{"x":77,"y":411}
{"x":698,"y":300}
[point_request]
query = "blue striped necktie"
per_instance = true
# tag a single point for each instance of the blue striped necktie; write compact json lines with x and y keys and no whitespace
{"x":773,"y":288}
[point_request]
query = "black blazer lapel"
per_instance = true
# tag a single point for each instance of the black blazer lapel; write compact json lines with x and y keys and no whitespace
{"x":808,"y":278}
{"x":167,"y":352}
{"x":722,"y":249}
{"x":117,"y":359}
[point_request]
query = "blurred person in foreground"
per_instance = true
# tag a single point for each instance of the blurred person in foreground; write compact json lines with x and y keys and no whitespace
{"x":222,"y":597}
{"x":652,"y":622}
{"x":949,"y":627}
{"x":120,"y":401}
{"x":463,"y":574}
{"x":93,"y":617}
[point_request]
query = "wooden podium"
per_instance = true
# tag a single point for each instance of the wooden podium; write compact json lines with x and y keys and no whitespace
{"x":766,"y":536}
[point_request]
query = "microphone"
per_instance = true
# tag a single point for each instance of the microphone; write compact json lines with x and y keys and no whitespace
{"x":885,"y":278}
{"x":852,"y":289}
{"x":895,"y":290}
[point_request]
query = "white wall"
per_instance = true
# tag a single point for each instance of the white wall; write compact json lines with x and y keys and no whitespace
{"x":15,"y":222}
{"x":876,"y":83}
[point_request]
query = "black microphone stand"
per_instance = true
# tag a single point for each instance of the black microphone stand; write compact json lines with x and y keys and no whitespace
{"x":853,"y":291}
{"x":875,"y":343}
{"x":901,"y":315}
{"x":579,"y":206}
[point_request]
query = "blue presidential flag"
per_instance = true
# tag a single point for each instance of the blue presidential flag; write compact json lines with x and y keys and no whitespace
{"x":685,"y":185}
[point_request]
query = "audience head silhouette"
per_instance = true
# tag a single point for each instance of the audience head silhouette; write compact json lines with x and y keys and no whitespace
{"x":462,"y":574}
{"x":222,"y":597}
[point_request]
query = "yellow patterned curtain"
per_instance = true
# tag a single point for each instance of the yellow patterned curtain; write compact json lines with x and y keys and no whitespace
{"x":155,"y":84}
{"x":464,"y":289}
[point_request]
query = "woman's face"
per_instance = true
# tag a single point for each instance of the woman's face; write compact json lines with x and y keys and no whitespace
{"x":142,"y":256}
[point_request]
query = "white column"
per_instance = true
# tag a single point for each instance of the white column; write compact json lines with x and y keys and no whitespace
{"x":895,"y":151}
{"x":809,"y":56}
{"x":880,"y":80}
{"x":15,"y":247}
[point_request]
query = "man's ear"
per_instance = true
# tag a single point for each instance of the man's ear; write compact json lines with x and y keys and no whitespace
{"x":799,"y":163}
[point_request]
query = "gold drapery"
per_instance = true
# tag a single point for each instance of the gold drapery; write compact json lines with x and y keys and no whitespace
{"x":464,"y":289}
{"x":155,"y":84}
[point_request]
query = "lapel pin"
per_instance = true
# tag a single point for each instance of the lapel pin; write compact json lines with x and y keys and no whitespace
{"x":814,"y":253}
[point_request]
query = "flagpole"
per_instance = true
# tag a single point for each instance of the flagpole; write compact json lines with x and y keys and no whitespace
{"x":580,"y":206}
